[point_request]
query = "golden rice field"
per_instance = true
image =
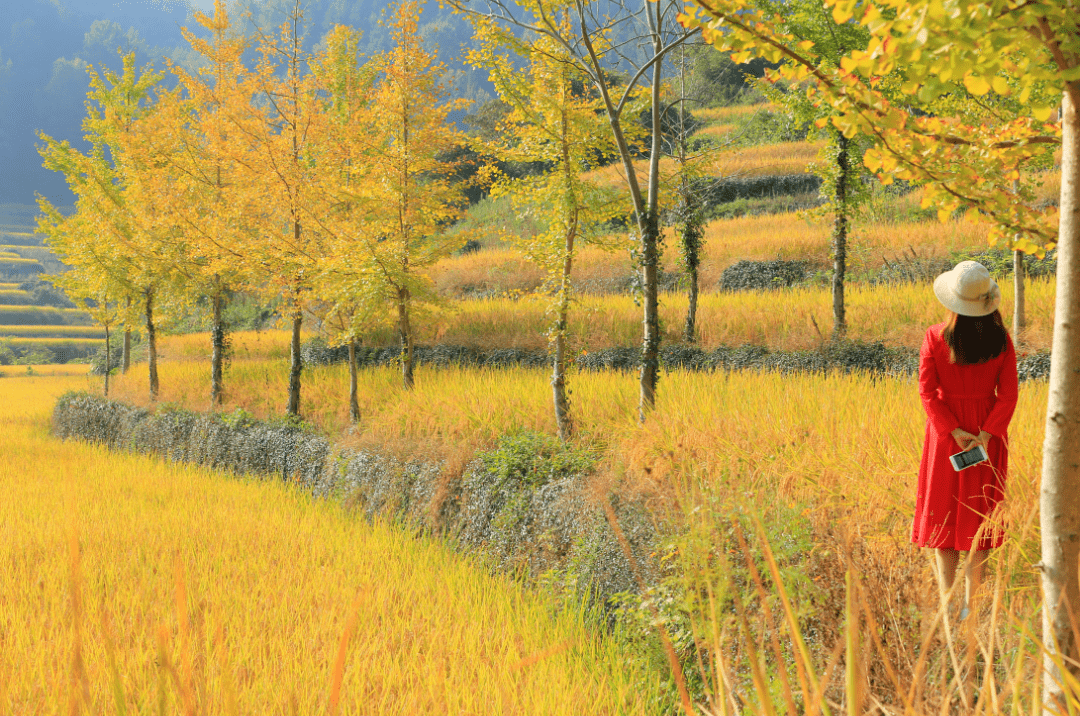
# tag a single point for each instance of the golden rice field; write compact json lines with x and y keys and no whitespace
{"x":783,"y":319}
{"x":762,"y":237}
{"x":134,"y":586}
{"x":40,"y":332}
{"x":54,"y":342}
{"x":719,"y":115}
{"x":761,"y":160}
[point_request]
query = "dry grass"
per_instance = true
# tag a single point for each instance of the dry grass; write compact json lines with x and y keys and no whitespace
{"x":787,"y":236}
{"x":719,"y":115}
{"x":133,"y":586}
{"x":765,"y":160}
{"x":784,"y":319}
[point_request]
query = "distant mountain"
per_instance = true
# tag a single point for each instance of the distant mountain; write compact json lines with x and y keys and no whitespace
{"x":45,"y":46}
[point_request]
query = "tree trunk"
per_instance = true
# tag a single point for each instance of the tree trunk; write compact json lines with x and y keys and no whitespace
{"x":650,"y":244}
{"x":405,"y":334}
{"x":125,"y":359}
{"x":691,"y":220}
{"x":1059,"y":505}
{"x":1019,"y":287}
{"x":217,"y":359}
{"x":108,"y":361}
{"x":840,"y":232}
{"x":650,"y":353}
{"x":354,"y":404}
{"x":564,"y":421}
{"x":295,"y":363}
{"x":151,"y":345}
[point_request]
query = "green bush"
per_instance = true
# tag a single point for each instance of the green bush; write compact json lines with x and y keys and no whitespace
{"x":531,"y":459}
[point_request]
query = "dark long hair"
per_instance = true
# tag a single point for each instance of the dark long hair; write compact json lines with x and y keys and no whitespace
{"x":974,"y":339}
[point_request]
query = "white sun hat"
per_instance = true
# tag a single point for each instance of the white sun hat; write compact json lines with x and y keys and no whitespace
{"x":968,"y":290}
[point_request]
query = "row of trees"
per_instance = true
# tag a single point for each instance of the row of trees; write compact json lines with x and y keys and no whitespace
{"x":329,"y":181}
{"x":319,"y":178}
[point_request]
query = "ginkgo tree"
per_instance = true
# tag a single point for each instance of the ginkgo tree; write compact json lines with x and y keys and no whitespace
{"x":347,"y":296}
{"x":105,"y":182}
{"x":193,"y":139}
{"x":556,"y":121}
{"x":1027,"y":50}
{"x":94,"y":280}
{"x":280,"y":162}
{"x":414,"y":197}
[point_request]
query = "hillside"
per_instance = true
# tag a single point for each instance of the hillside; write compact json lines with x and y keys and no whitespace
{"x":38,"y":324}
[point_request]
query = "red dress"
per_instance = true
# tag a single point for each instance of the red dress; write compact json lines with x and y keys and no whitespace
{"x":951,"y":506}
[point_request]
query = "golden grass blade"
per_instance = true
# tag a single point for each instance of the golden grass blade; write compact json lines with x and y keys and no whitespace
{"x":774,"y":638}
{"x":80,"y":684}
{"x":337,"y":673}
{"x":890,"y":669}
{"x":116,"y":684}
{"x":754,"y":659}
{"x":852,"y":678}
{"x":789,"y":613}
{"x":228,"y":688}
{"x":187,"y":684}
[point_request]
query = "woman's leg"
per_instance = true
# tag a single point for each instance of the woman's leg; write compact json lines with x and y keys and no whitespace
{"x":973,"y":574}
{"x":947,"y":560}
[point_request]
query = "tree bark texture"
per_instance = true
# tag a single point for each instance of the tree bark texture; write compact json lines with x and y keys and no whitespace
{"x":650,"y":353}
{"x":354,"y":403}
{"x":839,"y":237}
{"x":217,"y":359}
{"x":650,"y":240}
{"x":296,"y":364}
{"x":151,"y":345}
{"x":1059,"y":502}
{"x":405,"y":334}
{"x":690,"y":330}
{"x":1019,"y":287}
{"x":564,"y":420}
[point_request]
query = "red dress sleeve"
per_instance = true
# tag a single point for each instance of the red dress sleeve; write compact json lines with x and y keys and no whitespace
{"x":997,"y":423}
{"x":941,"y":418}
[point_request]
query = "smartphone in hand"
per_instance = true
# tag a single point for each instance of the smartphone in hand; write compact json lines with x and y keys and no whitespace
{"x":964,"y":460}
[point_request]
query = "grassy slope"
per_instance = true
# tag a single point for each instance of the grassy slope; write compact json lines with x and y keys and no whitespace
{"x":232,"y":586}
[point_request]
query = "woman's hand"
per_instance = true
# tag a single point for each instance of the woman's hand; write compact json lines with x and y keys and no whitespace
{"x":983,"y":439}
{"x":966,"y":440}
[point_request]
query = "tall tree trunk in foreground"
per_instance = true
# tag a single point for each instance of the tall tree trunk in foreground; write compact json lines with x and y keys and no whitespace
{"x":354,"y":403}
{"x":1059,"y":502}
{"x":839,"y":237}
{"x":405,"y":334}
{"x":151,"y":344}
{"x":217,"y":359}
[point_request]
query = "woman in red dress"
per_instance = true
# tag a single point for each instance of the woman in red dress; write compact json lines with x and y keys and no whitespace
{"x":968,"y":385}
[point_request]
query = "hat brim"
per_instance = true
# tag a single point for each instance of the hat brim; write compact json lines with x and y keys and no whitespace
{"x":963,"y":306}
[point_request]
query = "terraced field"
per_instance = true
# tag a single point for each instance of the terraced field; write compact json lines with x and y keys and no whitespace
{"x":30,"y":331}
